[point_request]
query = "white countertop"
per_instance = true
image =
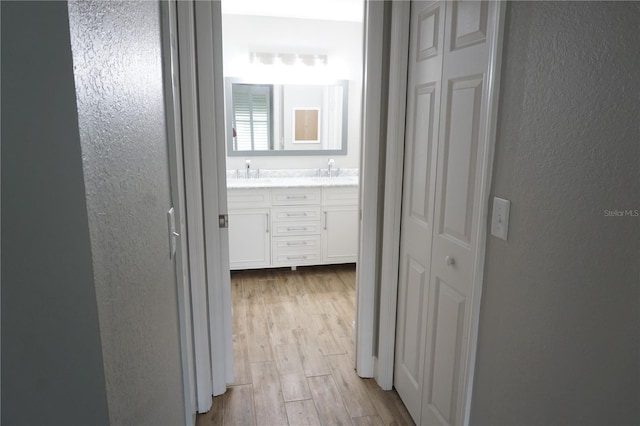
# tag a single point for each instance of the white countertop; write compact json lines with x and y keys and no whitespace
{"x":292,"y":182}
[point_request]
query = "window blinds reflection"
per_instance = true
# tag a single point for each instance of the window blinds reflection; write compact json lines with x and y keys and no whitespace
{"x":252,"y":117}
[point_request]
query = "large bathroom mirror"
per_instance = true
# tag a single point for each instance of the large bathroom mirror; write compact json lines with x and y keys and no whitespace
{"x":286,"y":119}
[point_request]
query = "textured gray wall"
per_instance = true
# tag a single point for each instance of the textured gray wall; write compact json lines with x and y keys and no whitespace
{"x":51,"y":356}
{"x":559,"y":323}
{"x":118,"y":73}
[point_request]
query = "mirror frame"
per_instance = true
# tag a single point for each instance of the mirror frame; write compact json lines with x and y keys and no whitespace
{"x":229,"y":81}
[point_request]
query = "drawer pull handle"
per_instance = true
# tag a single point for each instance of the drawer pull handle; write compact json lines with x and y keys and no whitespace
{"x":296,"y":257}
{"x":296,"y":214}
{"x":296,"y":228}
{"x":296,"y":243}
{"x":267,"y":222}
{"x":296,"y":197}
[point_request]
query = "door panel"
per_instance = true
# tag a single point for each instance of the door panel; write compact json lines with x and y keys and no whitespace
{"x":422,"y":153}
{"x":412,"y":337}
{"x":469,"y":23}
{"x":428,"y":33}
{"x":445,"y":161}
{"x":461,"y":139}
{"x":447,"y":326}
{"x":460,"y":147}
{"x":425,"y":65}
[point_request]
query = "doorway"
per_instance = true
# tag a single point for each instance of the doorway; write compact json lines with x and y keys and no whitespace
{"x":293,"y":89}
{"x":219,"y":205}
{"x":199,"y":85}
{"x":293,"y":97}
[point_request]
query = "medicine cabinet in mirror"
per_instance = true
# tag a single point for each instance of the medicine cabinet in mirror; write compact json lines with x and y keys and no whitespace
{"x":286,"y":119}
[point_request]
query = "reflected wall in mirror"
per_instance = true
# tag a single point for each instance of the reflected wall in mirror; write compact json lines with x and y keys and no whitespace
{"x":286,"y":119}
{"x":306,"y":125}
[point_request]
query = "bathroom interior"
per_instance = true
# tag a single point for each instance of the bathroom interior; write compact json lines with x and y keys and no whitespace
{"x":293,"y":88}
{"x":293,"y":99}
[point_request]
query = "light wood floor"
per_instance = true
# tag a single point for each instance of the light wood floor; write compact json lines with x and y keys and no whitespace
{"x":294,"y":356}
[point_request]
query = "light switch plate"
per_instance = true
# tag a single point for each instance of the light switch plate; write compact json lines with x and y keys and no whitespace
{"x":500,"y":218}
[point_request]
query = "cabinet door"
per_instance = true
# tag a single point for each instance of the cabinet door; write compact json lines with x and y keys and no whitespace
{"x":249,"y":238}
{"x":339,"y":234}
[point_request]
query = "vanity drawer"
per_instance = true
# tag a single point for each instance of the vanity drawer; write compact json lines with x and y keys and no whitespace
{"x":296,"y":196}
{"x":247,"y":198}
{"x":296,"y":259}
{"x":287,"y":214}
{"x":293,"y":251}
{"x":340,"y":196}
{"x":298,"y":227}
{"x":296,"y":244}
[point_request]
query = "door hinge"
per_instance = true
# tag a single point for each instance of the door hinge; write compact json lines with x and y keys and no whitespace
{"x":223,"y":221}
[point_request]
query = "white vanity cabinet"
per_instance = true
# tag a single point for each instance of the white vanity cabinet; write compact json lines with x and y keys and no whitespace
{"x":249,"y":228}
{"x":340,"y":225}
{"x":287,"y":227}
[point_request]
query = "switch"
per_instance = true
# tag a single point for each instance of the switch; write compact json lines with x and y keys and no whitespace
{"x":171,"y":217}
{"x":500,"y":218}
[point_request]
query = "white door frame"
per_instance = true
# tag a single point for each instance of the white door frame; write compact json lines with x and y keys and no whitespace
{"x":214,"y":185}
{"x":201,"y":96}
{"x":176,"y":172}
{"x":205,"y":187}
{"x":367,"y":272}
{"x":194,"y":204}
{"x":394,"y":168}
{"x":393,"y":195}
{"x":493,"y":90}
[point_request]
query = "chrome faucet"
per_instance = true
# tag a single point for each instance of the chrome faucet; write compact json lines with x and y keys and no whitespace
{"x":330,"y":164}
{"x":248,"y":170}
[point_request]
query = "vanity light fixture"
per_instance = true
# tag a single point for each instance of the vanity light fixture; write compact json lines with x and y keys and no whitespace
{"x":269,"y":58}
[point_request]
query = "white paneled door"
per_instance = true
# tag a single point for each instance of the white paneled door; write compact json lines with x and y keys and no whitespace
{"x":446,"y":147}
{"x":421,"y":153}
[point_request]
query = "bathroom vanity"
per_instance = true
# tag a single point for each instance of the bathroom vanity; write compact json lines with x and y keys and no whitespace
{"x":292,"y":221}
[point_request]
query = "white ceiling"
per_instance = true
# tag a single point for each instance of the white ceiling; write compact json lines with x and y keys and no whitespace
{"x":331,"y":10}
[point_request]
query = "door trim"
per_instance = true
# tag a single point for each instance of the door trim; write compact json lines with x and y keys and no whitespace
{"x":394,"y":168}
{"x":208,"y":26}
{"x":194,"y":204}
{"x":367,"y":269}
{"x":176,"y":172}
{"x":493,"y":90}
{"x":205,"y":185}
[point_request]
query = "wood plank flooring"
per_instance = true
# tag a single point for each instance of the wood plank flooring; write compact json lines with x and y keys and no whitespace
{"x":294,"y":357}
